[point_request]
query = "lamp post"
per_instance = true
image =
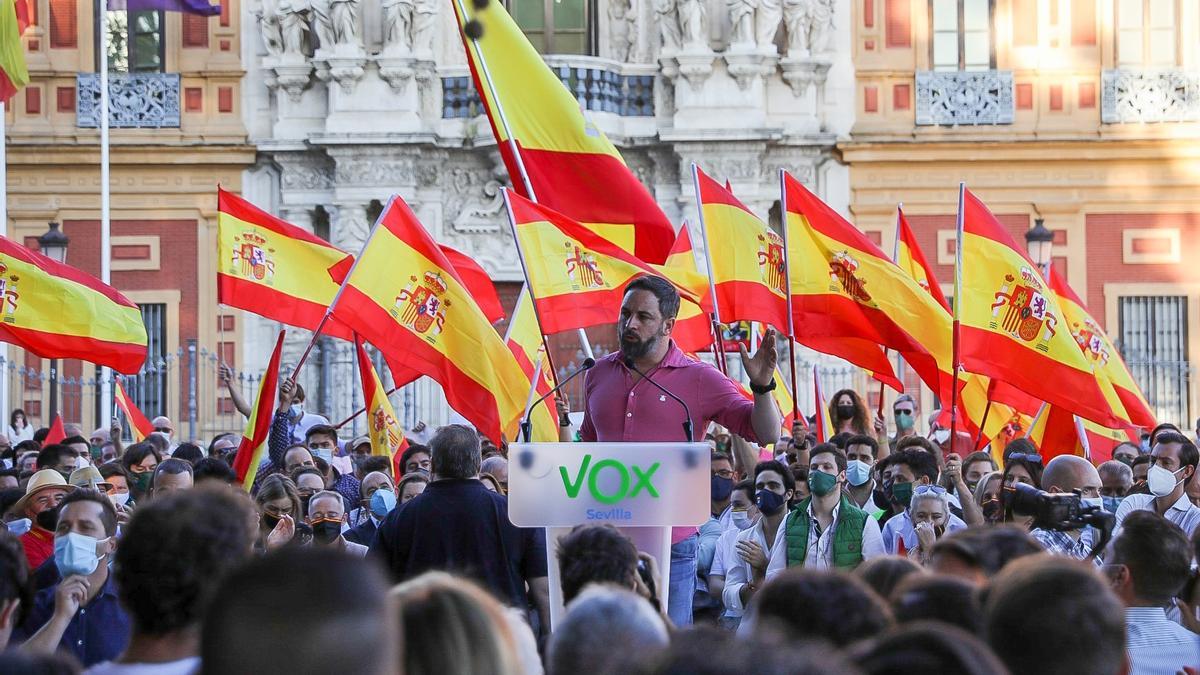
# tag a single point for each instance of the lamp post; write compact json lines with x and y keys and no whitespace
{"x":53,"y":245}
{"x":1039,"y":240}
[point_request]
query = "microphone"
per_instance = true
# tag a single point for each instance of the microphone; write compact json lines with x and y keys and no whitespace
{"x":687,"y":423}
{"x":527,"y":424}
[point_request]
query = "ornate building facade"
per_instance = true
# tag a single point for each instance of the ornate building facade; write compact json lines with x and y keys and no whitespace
{"x":176,"y":133}
{"x":1081,"y":115}
{"x":351,"y":101}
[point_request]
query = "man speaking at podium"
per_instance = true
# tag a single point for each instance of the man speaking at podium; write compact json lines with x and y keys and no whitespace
{"x":620,"y":407}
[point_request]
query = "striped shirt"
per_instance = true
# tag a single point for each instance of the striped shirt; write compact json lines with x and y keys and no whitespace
{"x":1156,"y":645}
{"x":1183,"y":512}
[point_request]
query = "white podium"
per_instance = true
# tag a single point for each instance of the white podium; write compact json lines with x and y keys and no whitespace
{"x":644,"y":489}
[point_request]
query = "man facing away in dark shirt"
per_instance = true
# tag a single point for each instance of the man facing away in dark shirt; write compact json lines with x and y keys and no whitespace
{"x":458,"y":525}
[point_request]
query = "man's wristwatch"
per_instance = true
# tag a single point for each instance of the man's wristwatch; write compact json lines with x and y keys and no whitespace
{"x":763,"y":389}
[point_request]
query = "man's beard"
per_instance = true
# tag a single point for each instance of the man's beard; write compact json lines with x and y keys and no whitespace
{"x":636,"y":350}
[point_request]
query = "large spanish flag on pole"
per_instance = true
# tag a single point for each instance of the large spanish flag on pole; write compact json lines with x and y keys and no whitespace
{"x":912,"y":260}
{"x":524,"y":340}
{"x":402,"y":296}
{"x":387,"y":436}
{"x":693,"y":330}
{"x":847,"y":296}
{"x":272,"y":268}
{"x":1102,"y":353}
{"x":254,"y":439}
{"x":745,"y":258}
{"x":13,"y":72}
{"x":1012,"y":327}
{"x":139,"y":426}
{"x":578,"y":278}
{"x":58,"y":312}
{"x":554,"y":154}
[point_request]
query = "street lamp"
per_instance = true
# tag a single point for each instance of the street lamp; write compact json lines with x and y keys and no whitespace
{"x":54,"y":246}
{"x":1039,"y":240}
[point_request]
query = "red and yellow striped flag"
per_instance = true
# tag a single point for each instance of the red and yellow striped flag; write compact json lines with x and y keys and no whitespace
{"x":823,"y":426}
{"x":693,"y":326}
{"x":849,"y":298}
{"x":524,"y":340}
{"x":477,"y":282}
{"x":1106,"y":361}
{"x":58,"y":312}
{"x":258,"y":428}
{"x":272,"y":268}
{"x":578,"y":278}
{"x":745,"y":256}
{"x":387,"y":436}
{"x":1012,"y":327}
{"x":425,"y":319}
{"x":572,"y":166}
{"x":912,"y":260}
{"x":14,"y":74}
{"x":139,"y":426}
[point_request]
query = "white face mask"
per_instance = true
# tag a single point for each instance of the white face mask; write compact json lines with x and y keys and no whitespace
{"x":941,"y":436}
{"x":81,"y":463}
{"x":1097,"y":502}
{"x":741,"y":520}
{"x":1160,"y":481}
{"x":119,"y":498}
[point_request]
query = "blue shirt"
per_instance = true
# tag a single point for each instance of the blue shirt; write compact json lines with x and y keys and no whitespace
{"x":1156,"y":645}
{"x":98,"y":632}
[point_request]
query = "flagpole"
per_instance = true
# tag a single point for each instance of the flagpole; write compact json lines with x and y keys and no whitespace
{"x":516,"y":153}
{"x":715,"y":316}
{"x":4,"y":393}
{"x":105,"y":197}
{"x":895,"y":261}
{"x":512,"y":223}
{"x":983,"y":423}
{"x":958,"y":256}
{"x":787,"y":273}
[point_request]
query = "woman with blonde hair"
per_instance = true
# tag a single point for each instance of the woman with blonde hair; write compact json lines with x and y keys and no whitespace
{"x":451,"y":625}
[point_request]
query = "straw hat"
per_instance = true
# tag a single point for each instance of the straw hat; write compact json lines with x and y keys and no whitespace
{"x":87,"y":477}
{"x":46,"y":479}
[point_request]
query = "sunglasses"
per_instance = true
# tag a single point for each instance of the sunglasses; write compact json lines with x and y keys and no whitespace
{"x":1026,"y":457}
{"x":929,"y":489}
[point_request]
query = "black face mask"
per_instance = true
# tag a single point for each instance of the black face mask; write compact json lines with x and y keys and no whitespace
{"x":48,"y":519}
{"x":845,"y":412}
{"x":325,"y":531}
{"x":269,"y":521}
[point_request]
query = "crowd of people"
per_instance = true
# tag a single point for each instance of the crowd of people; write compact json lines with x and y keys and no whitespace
{"x":868,"y":553}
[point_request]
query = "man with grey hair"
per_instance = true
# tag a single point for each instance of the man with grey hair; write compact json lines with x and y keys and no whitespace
{"x":457,"y":525}
{"x":496,"y":467}
{"x":904,"y":414}
{"x":1069,"y":473}
{"x":1115,"y":480}
{"x":600,"y":618}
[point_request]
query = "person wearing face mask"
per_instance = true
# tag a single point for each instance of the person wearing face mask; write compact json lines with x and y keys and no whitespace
{"x":1126,"y":452}
{"x":849,"y":413}
{"x":827,"y":530}
{"x":904,"y":414}
{"x":1115,"y":480}
{"x":363,"y":519}
{"x":43,"y":494}
{"x":326,"y":515}
{"x":903,"y":474}
{"x":706,"y":608}
{"x":1174,"y":460}
{"x":140,"y":460}
{"x":309,"y":482}
{"x":278,"y":504}
{"x":1069,"y":473}
{"x":743,"y":515}
{"x":861,"y":454}
{"x":299,"y":421}
{"x":747,"y":571}
{"x":930,"y":510}
{"x":81,"y":614}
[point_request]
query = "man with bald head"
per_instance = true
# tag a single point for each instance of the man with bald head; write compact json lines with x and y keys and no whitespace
{"x":1115,"y":480}
{"x":1071,"y":474}
{"x":371,"y":511}
{"x":496,"y":467}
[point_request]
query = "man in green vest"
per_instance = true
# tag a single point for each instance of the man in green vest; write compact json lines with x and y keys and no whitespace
{"x":827,"y":529}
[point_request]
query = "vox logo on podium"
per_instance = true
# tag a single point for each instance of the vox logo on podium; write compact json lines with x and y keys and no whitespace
{"x":630,"y":480}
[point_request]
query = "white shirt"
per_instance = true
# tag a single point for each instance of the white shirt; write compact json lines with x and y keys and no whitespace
{"x":738,"y":572}
{"x":307,"y":421}
{"x":25,"y":433}
{"x":820,"y":544}
{"x":1156,"y":645}
{"x":1183,"y":512}
{"x":900,"y":528}
{"x":870,"y":507}
{"x":185,"y":666}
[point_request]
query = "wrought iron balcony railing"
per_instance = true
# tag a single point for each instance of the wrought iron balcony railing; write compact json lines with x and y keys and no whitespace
{"x":135,"y":100}
{"x":964,"y":97}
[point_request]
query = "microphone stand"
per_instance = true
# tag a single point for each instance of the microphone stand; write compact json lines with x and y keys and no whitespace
{"x":527,"y":424}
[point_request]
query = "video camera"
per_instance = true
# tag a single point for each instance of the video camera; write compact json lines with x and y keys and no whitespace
{"x":1060,"y":511}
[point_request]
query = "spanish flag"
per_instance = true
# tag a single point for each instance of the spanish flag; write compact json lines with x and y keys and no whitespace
{"x":849,"y":299}
{"x":258,"y":428}
{"x":912,"y":260}
{"x":14,"y":18}
{"x":387,"y":436}
{"x":693,"y":326}
{"x":1057,"y":432}
{"x":403,"y":296}
{"x":477,"y":281}
{"x":578,"y":278}
{"x":58,"y":312}
{"x":746,"y":258}
{"x":1106,"y":361}
{"x":541,"y":131}
{"x":139,"y":426}
{"x":1012,"y":327}
{"x":272,"y":268}
{"x":524,"y":340}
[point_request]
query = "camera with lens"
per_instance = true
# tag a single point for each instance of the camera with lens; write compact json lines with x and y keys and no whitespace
{"x":1057,"y":511}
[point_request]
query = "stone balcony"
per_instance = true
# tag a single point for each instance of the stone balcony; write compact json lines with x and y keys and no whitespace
{"x":964,"y":97}
{"x":135,"y":100}
{"x":1149,"y":96}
